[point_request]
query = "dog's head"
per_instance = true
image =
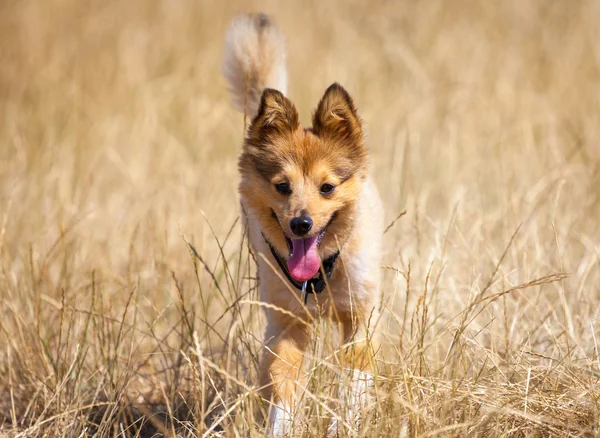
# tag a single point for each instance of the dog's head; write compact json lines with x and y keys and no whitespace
{"x":303,"y":184}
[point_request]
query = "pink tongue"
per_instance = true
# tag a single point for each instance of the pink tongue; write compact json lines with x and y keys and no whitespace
{"x":305,"y":262}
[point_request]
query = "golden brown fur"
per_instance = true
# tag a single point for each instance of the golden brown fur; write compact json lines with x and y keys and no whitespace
{"x":278,"y":150}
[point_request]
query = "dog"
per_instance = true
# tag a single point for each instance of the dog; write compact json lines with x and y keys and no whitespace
{"x":313,"y":214}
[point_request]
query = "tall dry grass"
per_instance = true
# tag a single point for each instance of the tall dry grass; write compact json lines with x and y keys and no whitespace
{"x":118,"y":148}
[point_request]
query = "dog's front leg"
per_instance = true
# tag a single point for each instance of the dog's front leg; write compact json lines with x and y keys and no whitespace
{"x":357,"y":360}
{"x":359,"y":342}
{"x":280,"y":373}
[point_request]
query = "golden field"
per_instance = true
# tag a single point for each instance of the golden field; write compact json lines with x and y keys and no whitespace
{"x":118,"y":149}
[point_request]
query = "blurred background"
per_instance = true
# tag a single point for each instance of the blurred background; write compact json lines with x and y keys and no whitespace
{"x":117,"y":136}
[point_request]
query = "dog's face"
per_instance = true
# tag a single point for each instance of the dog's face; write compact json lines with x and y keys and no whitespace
{"x":303,"y":184}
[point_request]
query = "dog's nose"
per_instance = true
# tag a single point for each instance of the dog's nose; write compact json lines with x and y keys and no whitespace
{"x":301,"y":225}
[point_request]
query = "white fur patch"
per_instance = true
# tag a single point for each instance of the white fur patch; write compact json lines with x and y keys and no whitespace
{"x":352,"y":401}
{"x":280,"y":421}
{"x":254,"y":60}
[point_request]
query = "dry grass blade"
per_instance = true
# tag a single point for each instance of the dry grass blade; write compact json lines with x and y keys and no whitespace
{"x":393,"y":222}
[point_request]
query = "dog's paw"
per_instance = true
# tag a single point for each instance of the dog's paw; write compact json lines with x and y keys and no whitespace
{"x":357,"y":395}
{"x":281,"y":421}
{"x":352,"y":399}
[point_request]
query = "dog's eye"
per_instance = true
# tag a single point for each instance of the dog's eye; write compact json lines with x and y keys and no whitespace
{"x":283,"y":188}
{"x":326,"y":189}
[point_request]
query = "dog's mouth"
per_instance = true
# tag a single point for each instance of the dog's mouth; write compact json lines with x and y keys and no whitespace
{"x":304,"y":262}
{"x":290,"y":242}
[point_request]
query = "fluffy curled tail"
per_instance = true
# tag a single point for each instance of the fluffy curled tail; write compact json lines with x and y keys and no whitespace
{"x":254,"y":60}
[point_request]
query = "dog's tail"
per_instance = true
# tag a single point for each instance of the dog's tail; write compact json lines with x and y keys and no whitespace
{"x":254,"y":60}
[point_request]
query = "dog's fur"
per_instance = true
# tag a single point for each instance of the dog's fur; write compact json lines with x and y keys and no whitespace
{"x":278,"y":150}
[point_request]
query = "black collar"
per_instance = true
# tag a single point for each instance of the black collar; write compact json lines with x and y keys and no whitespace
{"x":313,"y":285}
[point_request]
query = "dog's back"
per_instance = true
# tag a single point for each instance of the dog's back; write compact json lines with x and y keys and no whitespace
{"x":254,"y":60}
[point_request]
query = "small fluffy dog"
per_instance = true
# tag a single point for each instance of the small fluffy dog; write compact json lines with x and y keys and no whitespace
{"x":313,"y":213}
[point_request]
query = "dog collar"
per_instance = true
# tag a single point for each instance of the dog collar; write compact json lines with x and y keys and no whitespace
{"x":314,"y":285}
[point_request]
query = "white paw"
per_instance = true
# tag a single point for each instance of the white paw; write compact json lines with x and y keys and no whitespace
{"x":352,"y":398}
{"x":357,"y":396}
{"x":280,"y":421}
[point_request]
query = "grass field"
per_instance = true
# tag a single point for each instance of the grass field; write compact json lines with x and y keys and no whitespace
{"x":118,"y":147}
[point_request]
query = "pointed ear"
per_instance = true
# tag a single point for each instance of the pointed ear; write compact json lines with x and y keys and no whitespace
{"x":336,"y":117}
{"x":276,"y":115}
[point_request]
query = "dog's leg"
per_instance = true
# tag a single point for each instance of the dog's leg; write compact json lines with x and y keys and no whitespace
{"x":357,"y":362}
{"x":280,"y":370}
{"x":358,"y":350}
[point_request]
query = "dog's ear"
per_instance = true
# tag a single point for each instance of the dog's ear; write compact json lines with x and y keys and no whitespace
{"x":335,"y":117}
{"x":276,"y":115}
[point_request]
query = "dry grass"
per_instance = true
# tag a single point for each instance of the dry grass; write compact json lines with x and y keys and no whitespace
{"x":116,"y":133}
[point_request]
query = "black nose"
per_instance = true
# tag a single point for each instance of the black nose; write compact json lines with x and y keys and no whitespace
{"x":301,"y":225}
